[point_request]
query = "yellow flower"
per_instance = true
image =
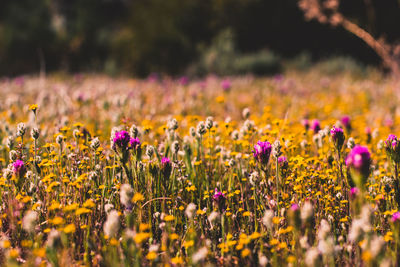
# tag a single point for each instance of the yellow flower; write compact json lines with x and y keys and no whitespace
{"x":113,"y":242}
{"x":14,"y":253}
{"x":188,"y":244}
{"x":5,"y":244}
{"x":69,"y":229}
{"x":173,"y":236}
{"x":177,"y":260}
{"x":89,"y":204}
{"x":151,"y":256}
{"x":137,"y":197}
{"x":169,"y":218}
{"x":57,"y":221}
{"x":33,"y":107}
{"x":200,"y":212}
{"x":40,"y":252}
{"x":245,"y":252}
{"x":143,"y":227}
{"x":82,"y":211}
{"x":141,"y":237}
{"x":246,"y":214}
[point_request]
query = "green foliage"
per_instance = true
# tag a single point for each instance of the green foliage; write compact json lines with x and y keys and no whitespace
{"x":340,"y":64}
{"x":222,"y":58}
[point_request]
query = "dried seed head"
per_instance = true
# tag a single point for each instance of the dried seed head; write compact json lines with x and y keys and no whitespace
{"x":95,"y":143}
{"x":175,"y":147}
{"x":246,"y":113}
{"x":201,"y":128}
{"x":21,"y":129}
{"x":10,"y":142}
{"x":150,"y":151}
{"x":172,"y":124}
{"x":35,"y":133}
{"x":134,"y":131}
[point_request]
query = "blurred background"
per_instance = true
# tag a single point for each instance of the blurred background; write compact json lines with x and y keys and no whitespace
{"x":176,"y":37}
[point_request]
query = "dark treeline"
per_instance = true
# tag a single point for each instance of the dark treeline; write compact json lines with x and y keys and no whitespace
{"x":143,"y":36}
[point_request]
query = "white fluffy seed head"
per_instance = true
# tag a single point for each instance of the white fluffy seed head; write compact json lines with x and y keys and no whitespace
{"x":111,"y":226}
{"x":267,"y":219}
{"x":126,"y":195}
{"x":190,"y":209}
{"x":200,"y":255}
{"x":312,"y":257}
{"x":29,"y":221}
{"x":307,"y":211}
{"x":53,"y":239}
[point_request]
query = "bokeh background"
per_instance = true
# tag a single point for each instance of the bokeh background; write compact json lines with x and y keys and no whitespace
{"x":175,"y":37}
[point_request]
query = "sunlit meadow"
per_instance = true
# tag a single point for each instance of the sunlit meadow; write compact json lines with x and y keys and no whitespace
{"x":297,"y":169}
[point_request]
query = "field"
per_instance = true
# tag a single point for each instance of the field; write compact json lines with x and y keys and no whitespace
{"x":299,"y":169}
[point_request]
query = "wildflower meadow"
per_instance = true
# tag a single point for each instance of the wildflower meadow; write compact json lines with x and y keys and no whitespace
{"x":298,"y":169}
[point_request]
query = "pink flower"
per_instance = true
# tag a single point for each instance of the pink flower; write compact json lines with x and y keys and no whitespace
{"x":262,"y":152}
{"x":19,"y":167}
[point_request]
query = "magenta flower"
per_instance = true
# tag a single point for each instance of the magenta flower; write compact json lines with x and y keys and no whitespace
{"x":262,"y":152}
{"x":391,"y":140}
{"x":165,"y":161}
{"x":19,"y":167}
{"x":219,"y":198}
{"x":135,"y":143}
{"x":354,"y":192}
{"x":226,"y":84}
{"x":283,"y":162}
{"x":359,"y":161}
{"x":396,"y":216}
{"x":337,"y":136}
{"x":306,"y":124}
{"x":315,"y":126}
{"x":294,"y":207}
{"x":183,"y":80}
{"x":166,"y":167}
{"x":345,"y":120}
{"x":392,"y":147}
{"x":121,"y":140}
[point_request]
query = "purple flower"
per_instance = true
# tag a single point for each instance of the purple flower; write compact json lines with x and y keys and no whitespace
{"x":153,"y":77}
{"x":354,"y":191}
{"x":135,"y":143}
{"x":166,"y":167}
{"x":396,"y":216}
{"x":262,"y":152}
{"x":359,"y":161}
{"x":306,"y":124}
{"x":121,"y":140}
{"x":226,"y":84}
{"x":294,"y":207}
{"x":278,"y":78}
{"x":219,"y":198}
{"x":315,"y":126}
{"x":345,"y":120}
{"x":337,"y":136}
{"x":392,"y":146}
{"x":283,"y":162}
{"x":388,"y":122}
{"x":19,"y":167}
{"x":165,"y":161}
{"x":183,"y":80}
